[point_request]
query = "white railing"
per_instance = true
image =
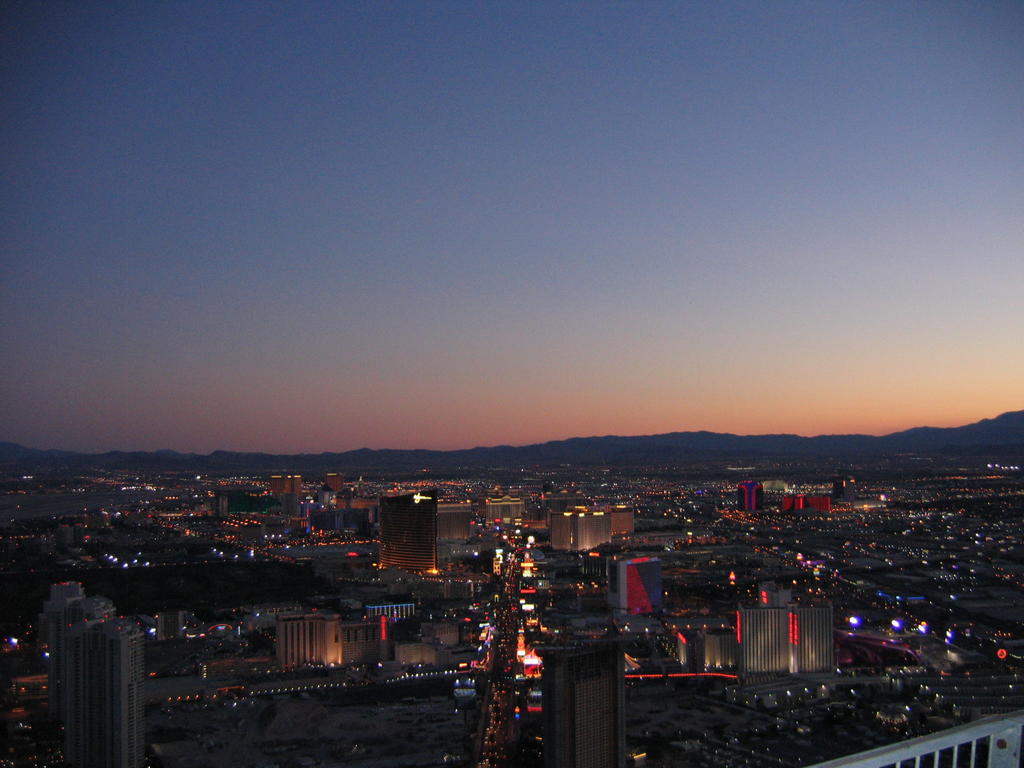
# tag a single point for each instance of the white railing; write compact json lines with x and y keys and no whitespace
{"x":991,"y":742}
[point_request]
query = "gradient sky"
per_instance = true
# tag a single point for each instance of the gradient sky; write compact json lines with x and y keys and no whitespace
{"x":322,"y":226}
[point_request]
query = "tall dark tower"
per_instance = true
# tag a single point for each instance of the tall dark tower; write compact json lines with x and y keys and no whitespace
{"x":750,"y":496}
{"x":408,"y":532}
{"x":584,"y":698}
{"x":104,"y":726}
{"x":842,"y":488}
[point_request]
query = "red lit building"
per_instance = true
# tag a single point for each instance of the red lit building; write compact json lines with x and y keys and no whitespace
{"x":798,"y":501}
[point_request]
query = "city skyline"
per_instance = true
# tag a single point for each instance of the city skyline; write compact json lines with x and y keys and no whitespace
{"x":322,"y":228}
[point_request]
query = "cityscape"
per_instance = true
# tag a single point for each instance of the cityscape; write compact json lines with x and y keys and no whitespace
{"x":512,"y":385}
{"x":774,"y":612}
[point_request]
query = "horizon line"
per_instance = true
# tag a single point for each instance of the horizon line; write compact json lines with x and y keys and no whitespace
{"x":505,"y":445}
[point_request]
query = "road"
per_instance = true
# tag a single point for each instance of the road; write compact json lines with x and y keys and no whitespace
{"x":496,"y":732}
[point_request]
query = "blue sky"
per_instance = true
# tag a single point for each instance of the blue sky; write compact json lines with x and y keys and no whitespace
{"x":319,"y":226}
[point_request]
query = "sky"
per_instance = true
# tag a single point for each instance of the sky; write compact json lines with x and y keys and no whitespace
{"x":323,"y":226}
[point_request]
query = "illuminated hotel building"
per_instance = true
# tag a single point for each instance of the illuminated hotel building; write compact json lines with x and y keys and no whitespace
{"x":323,"y":639}
{"x":762,"y":637}
{"x":555,"y":503}
{"x":334,"y":481}
{"x":634,"y":585}
{"x":281,"y":484}
{"x":504,"y":510}
{"x":720,"y":649}
{"x":408,"y":532}
{"x":812,"y":643}
{"x":792,"y":639}
{"x":579,"y":529}
{"x":584,"y":702}
{"x":308,"y":638}
{"x":750,"y":496}
{"x":797,"y":501}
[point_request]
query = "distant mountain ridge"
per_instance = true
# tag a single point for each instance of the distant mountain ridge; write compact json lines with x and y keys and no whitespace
{"x":1004,"y":432}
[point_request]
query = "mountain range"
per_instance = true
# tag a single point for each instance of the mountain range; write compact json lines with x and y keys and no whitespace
{"x":1002,"y":435}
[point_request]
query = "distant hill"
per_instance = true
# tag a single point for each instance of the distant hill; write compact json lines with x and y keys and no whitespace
{"x":1004,"y":434}
{"x":12,"y":452}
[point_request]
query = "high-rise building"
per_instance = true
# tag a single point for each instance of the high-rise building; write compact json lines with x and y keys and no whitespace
{"x":361,"y":641}
{"x":794,"y":638}
{"x":308,"y":638}
{"x":53,"y":623}
{"x":170,"y":624}
{"x":324,"y":639}
{"x":555,"y":502}
{"x":634,"y":585}
{"x":505,"y":509}
{"x":797,"y":501}
{"x":842,"y":488}
{"x":103,"y":695}
{"x":281,"y":484}
{"x":750,"y":496}
{"x":819,"y":503}
{"x":621,"y":520}
{"x":579,"y":529}
{"x":762,"y":637}
{"x":454,"y":521}
{"x":408,"y":532}
{"x":335,"y":481}
{"x":584,"y":702}
{"x":811,"y":638}
{"x":793,"y":502}
{"x":66,"y":606}
{"x":560,"y":501}
{"x":720,"y":649}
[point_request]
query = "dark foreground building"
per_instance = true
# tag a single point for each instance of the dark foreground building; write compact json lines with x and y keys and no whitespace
{"x":583,"y":695}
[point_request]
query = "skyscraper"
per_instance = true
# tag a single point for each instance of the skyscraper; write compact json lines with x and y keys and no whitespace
{"x":281,"y":484}
{"x":103,"y":696}
{"x":634,"y":585}
{"x":750,"y":496}
{"x":408,"y":532}
{"x":584,"y":700}
{"x":307,"y":638}
{"x":454,"y":521}
{"x":53,"y":623}
{"x":323,"y":638}
{"x":762,"y":635}
{"x":580,"y":529}
{"x":842,"y":488}
{"x":811,"y":638}
{"x":66,"y":606}
{"x":780,"y":639}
